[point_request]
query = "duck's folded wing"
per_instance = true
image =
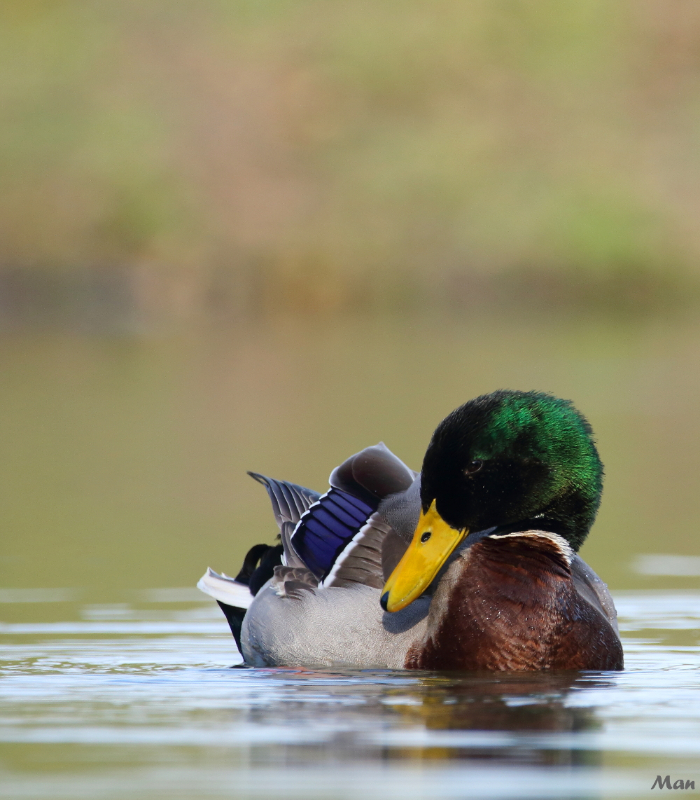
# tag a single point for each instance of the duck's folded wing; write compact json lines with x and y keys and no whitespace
{"x":593,"y":590}
{"x":341,"y":538}
{"x":372,"y":474}
{"x":402,"y":511}
{"x":361,"y":561}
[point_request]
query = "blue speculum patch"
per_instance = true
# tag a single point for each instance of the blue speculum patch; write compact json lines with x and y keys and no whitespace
{"x":327,"y":528}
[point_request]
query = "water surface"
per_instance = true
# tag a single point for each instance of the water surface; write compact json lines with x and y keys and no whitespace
{"x":143,"y":699}
{"x":123,"y":469}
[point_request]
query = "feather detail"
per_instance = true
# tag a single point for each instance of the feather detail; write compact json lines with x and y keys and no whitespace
{"x":361,"y":560}
{"x":225,"y":589}
{"x":289,"y":501}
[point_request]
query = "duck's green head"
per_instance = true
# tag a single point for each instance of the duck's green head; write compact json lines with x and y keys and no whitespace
{"x":518,"y":460}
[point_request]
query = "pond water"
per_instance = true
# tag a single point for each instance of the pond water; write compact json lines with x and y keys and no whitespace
{"x":123,"y":477}
{"x":142,"y":699}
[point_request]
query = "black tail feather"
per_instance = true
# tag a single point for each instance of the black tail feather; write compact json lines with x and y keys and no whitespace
{"x":258,"y":567}
{"x":250,"y":562}
{"x":270,"y":559}
{"x":234,"y":617}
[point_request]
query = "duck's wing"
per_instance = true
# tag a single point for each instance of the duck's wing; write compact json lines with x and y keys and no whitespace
{"x":341,"y":538}
{"x":336,"y":539}
{"x":361,"y":561}
{"x":328,"y":612}
{"x":593,"y":590}
{"x":372,"y":474}
{"x":289,"y":504}
{"x":402,"y":510}
{"x":289,"y":501}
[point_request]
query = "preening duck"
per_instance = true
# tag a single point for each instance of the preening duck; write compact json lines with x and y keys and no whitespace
{"x":471,"y":564}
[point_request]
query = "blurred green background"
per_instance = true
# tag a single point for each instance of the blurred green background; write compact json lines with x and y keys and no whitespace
{"x":263,"y":235}
{"x":316,"y":156}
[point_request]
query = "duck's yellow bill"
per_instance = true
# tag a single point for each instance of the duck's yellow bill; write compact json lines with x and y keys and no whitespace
{"x":432,"y":543}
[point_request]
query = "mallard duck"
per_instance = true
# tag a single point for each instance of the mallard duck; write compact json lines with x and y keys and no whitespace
{"x":469,"y":565}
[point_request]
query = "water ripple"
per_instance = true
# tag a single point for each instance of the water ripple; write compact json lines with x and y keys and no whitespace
{"x":152,"y":691}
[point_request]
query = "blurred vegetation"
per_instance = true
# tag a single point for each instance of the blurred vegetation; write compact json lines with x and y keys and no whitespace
{"x":163,"y":159}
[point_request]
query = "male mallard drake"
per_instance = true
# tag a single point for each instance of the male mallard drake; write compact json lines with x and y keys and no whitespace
{"x":470,"y":565}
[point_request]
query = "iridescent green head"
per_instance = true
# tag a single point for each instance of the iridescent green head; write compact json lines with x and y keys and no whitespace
{"x":511,"y":459}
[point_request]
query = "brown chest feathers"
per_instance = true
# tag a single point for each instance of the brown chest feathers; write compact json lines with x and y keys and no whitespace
{"x":510,"y":603}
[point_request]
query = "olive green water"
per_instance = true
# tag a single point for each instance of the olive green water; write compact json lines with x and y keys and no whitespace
{"x":122,"y":478}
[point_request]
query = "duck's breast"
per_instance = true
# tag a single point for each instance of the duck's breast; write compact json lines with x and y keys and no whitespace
{"x":509,"y":603}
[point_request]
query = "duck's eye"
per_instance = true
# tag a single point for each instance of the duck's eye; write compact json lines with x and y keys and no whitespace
{"x":473,"y":466}
{"x":424,"y":538}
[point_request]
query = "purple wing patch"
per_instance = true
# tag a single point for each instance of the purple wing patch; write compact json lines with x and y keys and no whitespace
{"x":327,"y":528}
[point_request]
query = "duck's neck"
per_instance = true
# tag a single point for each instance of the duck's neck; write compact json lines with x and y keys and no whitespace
{"x":566,"y":526}
{"x":570,"y":515}
{"x":500,"y":605}
{"x":539,"y":523}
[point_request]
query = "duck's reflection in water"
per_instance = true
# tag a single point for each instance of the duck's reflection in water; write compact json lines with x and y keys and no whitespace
{"x":521,"y":717}
{"x":433,"y":718}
